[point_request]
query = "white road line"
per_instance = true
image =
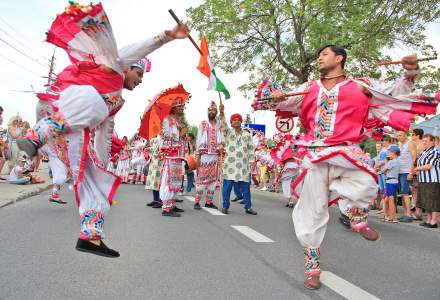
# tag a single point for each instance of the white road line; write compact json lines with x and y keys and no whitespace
{"x":214,"y":212}
{"x":345,"y":288}
{"x":252,"y":234}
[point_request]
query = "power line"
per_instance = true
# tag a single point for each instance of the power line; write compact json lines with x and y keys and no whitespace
{"x":18,"y":50}
{"x":11,"y":61}
{"x":22,"y":36}
{"x":22,"y":44}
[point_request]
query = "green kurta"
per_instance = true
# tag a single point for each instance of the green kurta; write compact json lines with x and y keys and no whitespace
{"x":239,"y":154}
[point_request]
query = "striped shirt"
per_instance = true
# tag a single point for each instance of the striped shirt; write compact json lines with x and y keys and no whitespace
{"x":432,"y":157}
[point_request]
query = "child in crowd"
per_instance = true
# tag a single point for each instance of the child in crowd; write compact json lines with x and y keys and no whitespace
{"x":17,"y":175}
{"x":21,"y":174}
{"x":391,"y":170}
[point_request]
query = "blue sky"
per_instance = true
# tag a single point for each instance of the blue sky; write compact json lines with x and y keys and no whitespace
{"x":132,"y":20}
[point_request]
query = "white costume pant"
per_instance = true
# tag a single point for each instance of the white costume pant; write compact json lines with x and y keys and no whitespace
{"x":82,"y":108}
{"x":207,"y":176}
{"x":58,"y":168}
{"x":311,"y":215}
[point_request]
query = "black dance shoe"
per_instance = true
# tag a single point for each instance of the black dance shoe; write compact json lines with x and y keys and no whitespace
{"x":101,"y":250}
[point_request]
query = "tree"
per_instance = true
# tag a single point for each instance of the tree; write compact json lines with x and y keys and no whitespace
{"x":248,"y":119}
{"x":193,"y":129}
{"x":281,"y":37}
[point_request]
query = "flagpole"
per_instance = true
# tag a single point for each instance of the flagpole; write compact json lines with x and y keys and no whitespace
{"x":219,"y":196}
{"x":189,"y":36}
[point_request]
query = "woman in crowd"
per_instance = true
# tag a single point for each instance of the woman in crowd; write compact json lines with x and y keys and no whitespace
{"x":428,"y":169}
{"x":15,"y":131}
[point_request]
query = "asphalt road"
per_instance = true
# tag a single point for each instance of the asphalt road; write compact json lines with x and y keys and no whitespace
{"x":201,"y":256}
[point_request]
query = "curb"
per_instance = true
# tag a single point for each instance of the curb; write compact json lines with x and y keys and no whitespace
{"x":26,"y":195}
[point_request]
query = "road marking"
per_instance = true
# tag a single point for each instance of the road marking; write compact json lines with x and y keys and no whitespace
{"x":345,"y":288}
{"x":252,"y":234}
{"x":212,"y":211}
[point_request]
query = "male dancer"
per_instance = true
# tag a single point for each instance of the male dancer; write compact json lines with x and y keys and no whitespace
{"x":172,"y":168}
{"x":88,"y":96}
{"x":334,"y":113}
{"x":56,"y":151}
{"x":209,"y":141}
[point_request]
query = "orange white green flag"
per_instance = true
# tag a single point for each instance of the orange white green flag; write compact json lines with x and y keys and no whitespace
{"x":206,"y":67}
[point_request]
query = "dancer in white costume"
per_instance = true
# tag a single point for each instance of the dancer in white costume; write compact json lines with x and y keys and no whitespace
{"x":333,"y":165}
{"x":210,"y":140}
{"x":88,"y":97}
{"x":59,"y":165}
{"x":172,"y":165}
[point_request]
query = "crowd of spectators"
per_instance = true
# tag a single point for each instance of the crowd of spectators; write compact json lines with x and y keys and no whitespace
{"x":408,"y":167}
{"x":19,"y":167}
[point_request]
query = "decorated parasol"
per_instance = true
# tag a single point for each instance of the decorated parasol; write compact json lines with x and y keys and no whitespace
{"x":158,"y":108}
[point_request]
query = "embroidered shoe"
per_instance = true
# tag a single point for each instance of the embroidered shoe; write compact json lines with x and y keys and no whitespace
{"x":312,"y":282}
{"x":101,"y":250}
{"x":55,"y":197}
{"x":369,"y":234}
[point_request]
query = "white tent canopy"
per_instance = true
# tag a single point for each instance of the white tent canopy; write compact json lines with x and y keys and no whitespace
{"x":431,"y":126}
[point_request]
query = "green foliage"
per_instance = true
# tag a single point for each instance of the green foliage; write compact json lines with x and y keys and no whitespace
{"x":193,"y":129}
{"x":281,"y":37}
{"x":370,"y":147}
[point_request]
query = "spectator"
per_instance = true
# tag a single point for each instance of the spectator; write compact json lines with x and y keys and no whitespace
{"x":417,"y":138}
{"x":386,"y":144}
{"x":428,"y":168}
{"x":17,"y":175}
{"x":14,"y":132}
{"x":190,"y":175}
{"x":2,"y":144}
{"x":407,"y":159}
{"x":378,"y":165}
{"x":391,"y":170}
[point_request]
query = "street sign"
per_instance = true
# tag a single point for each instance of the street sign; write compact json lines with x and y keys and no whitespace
{"x":284,"y":125}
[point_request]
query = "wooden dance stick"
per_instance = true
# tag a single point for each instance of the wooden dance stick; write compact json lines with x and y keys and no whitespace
{"x":189,"y":36}
{"x":287,"y":95}
{"x":387,"y":63}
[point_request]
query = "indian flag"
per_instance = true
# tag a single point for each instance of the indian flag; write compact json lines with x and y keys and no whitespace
{"x":205,"y":66}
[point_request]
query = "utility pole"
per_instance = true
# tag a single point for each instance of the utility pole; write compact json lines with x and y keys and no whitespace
{"x":51,"y":68}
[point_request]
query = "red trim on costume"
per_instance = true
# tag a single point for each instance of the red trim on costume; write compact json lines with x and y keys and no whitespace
{"x":334,"y":201}
{"x":297,"y":181}
{"x":82,"y":163}
{"x":354,"y":162}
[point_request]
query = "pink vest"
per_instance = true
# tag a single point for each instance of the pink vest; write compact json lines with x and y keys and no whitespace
{"x":334,"y":117}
